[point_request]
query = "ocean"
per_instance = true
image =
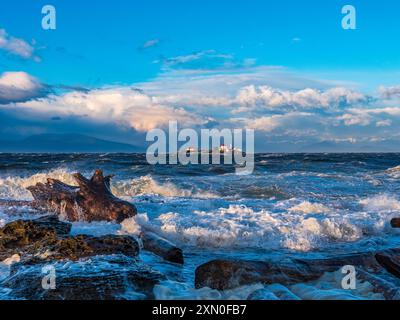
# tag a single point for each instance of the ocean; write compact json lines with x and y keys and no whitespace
{"x":300,"y":205}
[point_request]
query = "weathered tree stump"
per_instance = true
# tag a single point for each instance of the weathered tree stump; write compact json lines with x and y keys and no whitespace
{"x":91,"y":200}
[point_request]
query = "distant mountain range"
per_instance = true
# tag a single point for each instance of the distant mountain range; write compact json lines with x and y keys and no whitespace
{"x":66,"y":143}
{"x":60,"y":143}
{"x":349,"y":147}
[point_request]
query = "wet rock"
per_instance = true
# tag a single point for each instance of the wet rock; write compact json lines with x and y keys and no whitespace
{"x":390,"y":262}
{"x":25,"y":235}
{"x":100,"y":278}
{"x":46,"y":238}
{"x":389,"y":290}
{"x":395,"y":223}
{"x":52,"y":222}
{"x":92,"y":200}
{"x":229,"y":274}
{"x":74,"y":248}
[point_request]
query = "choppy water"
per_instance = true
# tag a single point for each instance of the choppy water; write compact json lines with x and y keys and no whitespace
{"x":304,"y":204}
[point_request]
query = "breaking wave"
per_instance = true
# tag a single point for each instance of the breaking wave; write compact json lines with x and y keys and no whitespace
{"x":308,"y":207}
{"x":381,"y":203}
{"x":239,"y":226}
{"x":15,"y":187}
{"x":394,"y":172}
{"x":146,"y":185}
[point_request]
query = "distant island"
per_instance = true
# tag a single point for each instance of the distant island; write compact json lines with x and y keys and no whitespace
{"x":65,"y":143}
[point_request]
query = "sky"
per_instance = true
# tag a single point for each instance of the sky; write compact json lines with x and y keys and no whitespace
{"x":288,"y":69}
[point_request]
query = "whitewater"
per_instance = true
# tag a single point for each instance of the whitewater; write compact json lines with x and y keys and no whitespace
{"x":304,"y":205}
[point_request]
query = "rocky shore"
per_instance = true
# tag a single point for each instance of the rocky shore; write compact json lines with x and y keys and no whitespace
{"x":30,"y":246}
{"x":35,"y":244}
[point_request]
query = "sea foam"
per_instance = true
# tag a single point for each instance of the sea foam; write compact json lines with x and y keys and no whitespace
{"x":239,"y":226}
{"x":15,"y":187}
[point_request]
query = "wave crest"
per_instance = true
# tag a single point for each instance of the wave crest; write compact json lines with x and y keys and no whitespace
{"x":239,"y":226}
{"x":146,"y":185}
{"x":15,"y":187}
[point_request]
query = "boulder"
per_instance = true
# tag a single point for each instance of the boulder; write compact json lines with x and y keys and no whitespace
{"x":47,"y":238}
{"x":391,"y":262}
{"x":229,"y":274}
{"x":111,"y":278}
{"x":22,"y":236}
{"x":77,"y":247}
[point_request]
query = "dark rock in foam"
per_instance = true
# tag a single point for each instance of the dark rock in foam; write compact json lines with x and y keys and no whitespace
{"x":100,"y":278}
{"x":228,"y":274}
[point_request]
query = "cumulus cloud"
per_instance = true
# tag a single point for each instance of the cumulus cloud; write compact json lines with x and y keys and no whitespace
{"x":121,"y":105}
{"x":268,"y":97}
{"x":19,"y":87}
{"x":282,"y":108}
{"x":270,"y":123}
{"x":16,"y":46}
{"x":366,"y":116}
{"x":267,"y":89}
{"x":390,"y":92}
{"x":356,"y":118}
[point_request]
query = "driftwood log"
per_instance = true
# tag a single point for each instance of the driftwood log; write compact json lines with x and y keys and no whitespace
{"x":161,"y":247}
{"x":395,"y":223}
{"x":91,"y":200}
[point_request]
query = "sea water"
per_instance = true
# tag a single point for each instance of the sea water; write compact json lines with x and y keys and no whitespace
{"x":303,"y":205}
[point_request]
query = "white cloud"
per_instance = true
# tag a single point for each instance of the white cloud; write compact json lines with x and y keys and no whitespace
{"x":365,"y":116}
{"x":121,"y":105}
{"x":150,"y":43}
{"x":269,"y":97}
{"x":270,"y":123}
{"x":19,"y":86}
{"x":276,"y":103}
{"x":16,"y":46}
{"x":384,"y":123}
{"x":389,"y":92}
{"x":356,"y":118}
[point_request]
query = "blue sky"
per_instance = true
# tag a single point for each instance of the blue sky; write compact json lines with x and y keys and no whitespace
{"x":203,"y":50}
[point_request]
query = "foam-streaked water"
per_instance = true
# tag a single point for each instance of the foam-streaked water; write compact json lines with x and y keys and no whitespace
{"x":305,"y":205}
